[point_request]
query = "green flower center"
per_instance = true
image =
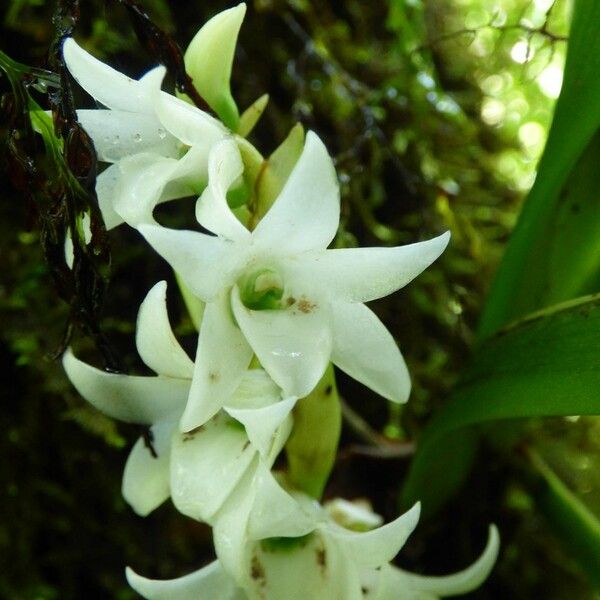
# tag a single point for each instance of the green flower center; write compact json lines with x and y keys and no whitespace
{"x":262,"y":290}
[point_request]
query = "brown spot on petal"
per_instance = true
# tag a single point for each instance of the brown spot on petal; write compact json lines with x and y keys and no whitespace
{"x":305,"y":305}
{"x":257,"y":571}
{"x":190,"y":435}
{"x":213,"y":377}
{"x":322,"y":559}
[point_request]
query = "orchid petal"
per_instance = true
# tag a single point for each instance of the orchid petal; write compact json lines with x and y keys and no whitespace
{"x":206,"y":465}
{"x":209,"y":57}
{"x":146,"y":476}
{"x":256,"y":390}
{"x":103,"y":83}
{"x":148,"y":179}
{"x":140,"y":186}
{"x":315,"y":568}
{"x":261,"y":423}
{"x":205,"y":263}
{"x":117,"y":134}
{"x":106,"y":190}
{"x":378,"y":546}
{"x":133,"y":399}
{"x":190,"y":176}
{"x":230,"y":528}
{"x":184,"y":121}
{"x":364,"y":349}
{"x":212,"y":211}
{"x":353,"y":515}
{"x":275,"y":513}
{"x":136,"y":184}
{"x":276,"y":170}
{"x":156,"y":344}
{"x":250,"y":117}
{"x":222,"y":358}
{"x":306,"y":214}
{"x":464,"y":581}
{"x":209,"y":583}
{"x":364,"y":274}
{"x":293,"y":345}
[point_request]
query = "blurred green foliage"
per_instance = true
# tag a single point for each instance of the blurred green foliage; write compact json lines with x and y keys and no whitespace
{"x":436,"y":113}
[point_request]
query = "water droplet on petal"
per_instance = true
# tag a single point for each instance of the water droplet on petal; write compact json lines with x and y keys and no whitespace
{"x":137,"y":137}
{"x":162,"y":134}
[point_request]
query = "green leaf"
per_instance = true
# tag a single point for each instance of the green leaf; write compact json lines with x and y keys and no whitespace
{"x":554,"y":252}
{"x":209,"y":58}
{"x":544,"y":365}
{"x":569,"y":518}
{"x":312,"y":447}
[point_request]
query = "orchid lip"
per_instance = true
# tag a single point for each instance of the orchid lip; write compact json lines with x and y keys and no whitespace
{"x":262,"y":289}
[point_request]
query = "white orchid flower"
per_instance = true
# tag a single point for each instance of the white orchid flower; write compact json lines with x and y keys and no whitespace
{"x":158,"y":143}
{"x":278,"y":292}
{"x":330,"y":562}
{"x":202,"y":468}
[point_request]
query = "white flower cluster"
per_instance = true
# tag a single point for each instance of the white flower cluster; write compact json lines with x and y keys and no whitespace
{"x":278,"y":307}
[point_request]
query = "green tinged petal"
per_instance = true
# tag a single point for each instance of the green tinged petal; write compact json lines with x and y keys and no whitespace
{"x":208,"y":60}
{"x":251,"y":115}
{"x":277,"y":169}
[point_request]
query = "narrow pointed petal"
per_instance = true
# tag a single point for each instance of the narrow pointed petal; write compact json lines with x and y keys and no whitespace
{"x":464,"y":581}
{"x":306,"y":214}
{"x":276,"y":170}
{"x":207,"y":464}
{"x":251,"y":116}
{"x":118,"y":133}
{"x":209,"y":583}
{"x":364,"y":349}
{"x":103,"y":83}
{"x":146,"y":476}
{"x":275,"y":513}
{"x":106,"y":190}
{"x":364,"y":274}
{"x":293,"y":346}
{"x":222,"y":357}
{"x":378,"y":546}
{"x":261,"y":423}
{"x":206,"y":264}
{"x":209,"y":58}
{"x":230,"y":538}
{"x":212,"y":211}
{"x":183,"y":120}
{"x":156,"y":344}
{"x":133,"y":399}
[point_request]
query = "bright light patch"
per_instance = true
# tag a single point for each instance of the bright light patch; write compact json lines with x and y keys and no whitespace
{"x":521,"y":52}
{"x":532,"y":137}
{"x":492,"y":85}
{"x":550,"y":81}
{"x":492,"y":111}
